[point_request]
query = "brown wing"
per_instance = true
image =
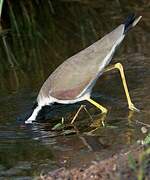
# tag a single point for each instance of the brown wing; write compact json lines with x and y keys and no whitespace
{"x":72,"y":76}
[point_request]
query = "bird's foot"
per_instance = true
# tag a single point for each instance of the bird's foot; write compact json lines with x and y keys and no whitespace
{"x":133,"y":108}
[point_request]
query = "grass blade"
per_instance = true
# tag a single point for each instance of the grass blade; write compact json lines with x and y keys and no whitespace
{"x":1,"y":6}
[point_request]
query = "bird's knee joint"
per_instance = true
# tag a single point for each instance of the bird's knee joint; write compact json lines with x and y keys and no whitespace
{"x":104,"y":110}
{"x":119,"y":66}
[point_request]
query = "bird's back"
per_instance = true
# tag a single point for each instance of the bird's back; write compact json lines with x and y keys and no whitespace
{"x":78,"y":71}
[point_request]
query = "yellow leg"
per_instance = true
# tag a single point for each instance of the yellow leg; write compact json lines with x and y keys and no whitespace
{"x":120,"y":68}
{"x":77,"y":113}
{"x":103,"y":109}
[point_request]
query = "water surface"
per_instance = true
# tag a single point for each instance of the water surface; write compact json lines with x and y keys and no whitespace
{"x":41,"y":37}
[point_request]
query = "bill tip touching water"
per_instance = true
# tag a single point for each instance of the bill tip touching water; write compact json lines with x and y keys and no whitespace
{"x":74,"y":79}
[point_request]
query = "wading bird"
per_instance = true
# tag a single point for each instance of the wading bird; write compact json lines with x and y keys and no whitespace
{"x":74,"y":79}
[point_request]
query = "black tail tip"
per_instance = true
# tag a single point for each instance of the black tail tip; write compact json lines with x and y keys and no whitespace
{"x":131,"y":21}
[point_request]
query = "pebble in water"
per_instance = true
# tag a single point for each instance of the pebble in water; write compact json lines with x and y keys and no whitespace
{"x":144,"y":130}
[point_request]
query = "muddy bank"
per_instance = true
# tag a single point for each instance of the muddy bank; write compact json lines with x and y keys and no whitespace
{"x":133,"y":163}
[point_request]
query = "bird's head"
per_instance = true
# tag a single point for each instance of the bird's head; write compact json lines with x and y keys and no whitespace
{"x":36,"y":112}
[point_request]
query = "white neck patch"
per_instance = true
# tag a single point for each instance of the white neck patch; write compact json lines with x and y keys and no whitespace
{"x":34,"y":115}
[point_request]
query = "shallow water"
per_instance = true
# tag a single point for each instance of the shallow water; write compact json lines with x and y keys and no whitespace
{"x":64,"y":29}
